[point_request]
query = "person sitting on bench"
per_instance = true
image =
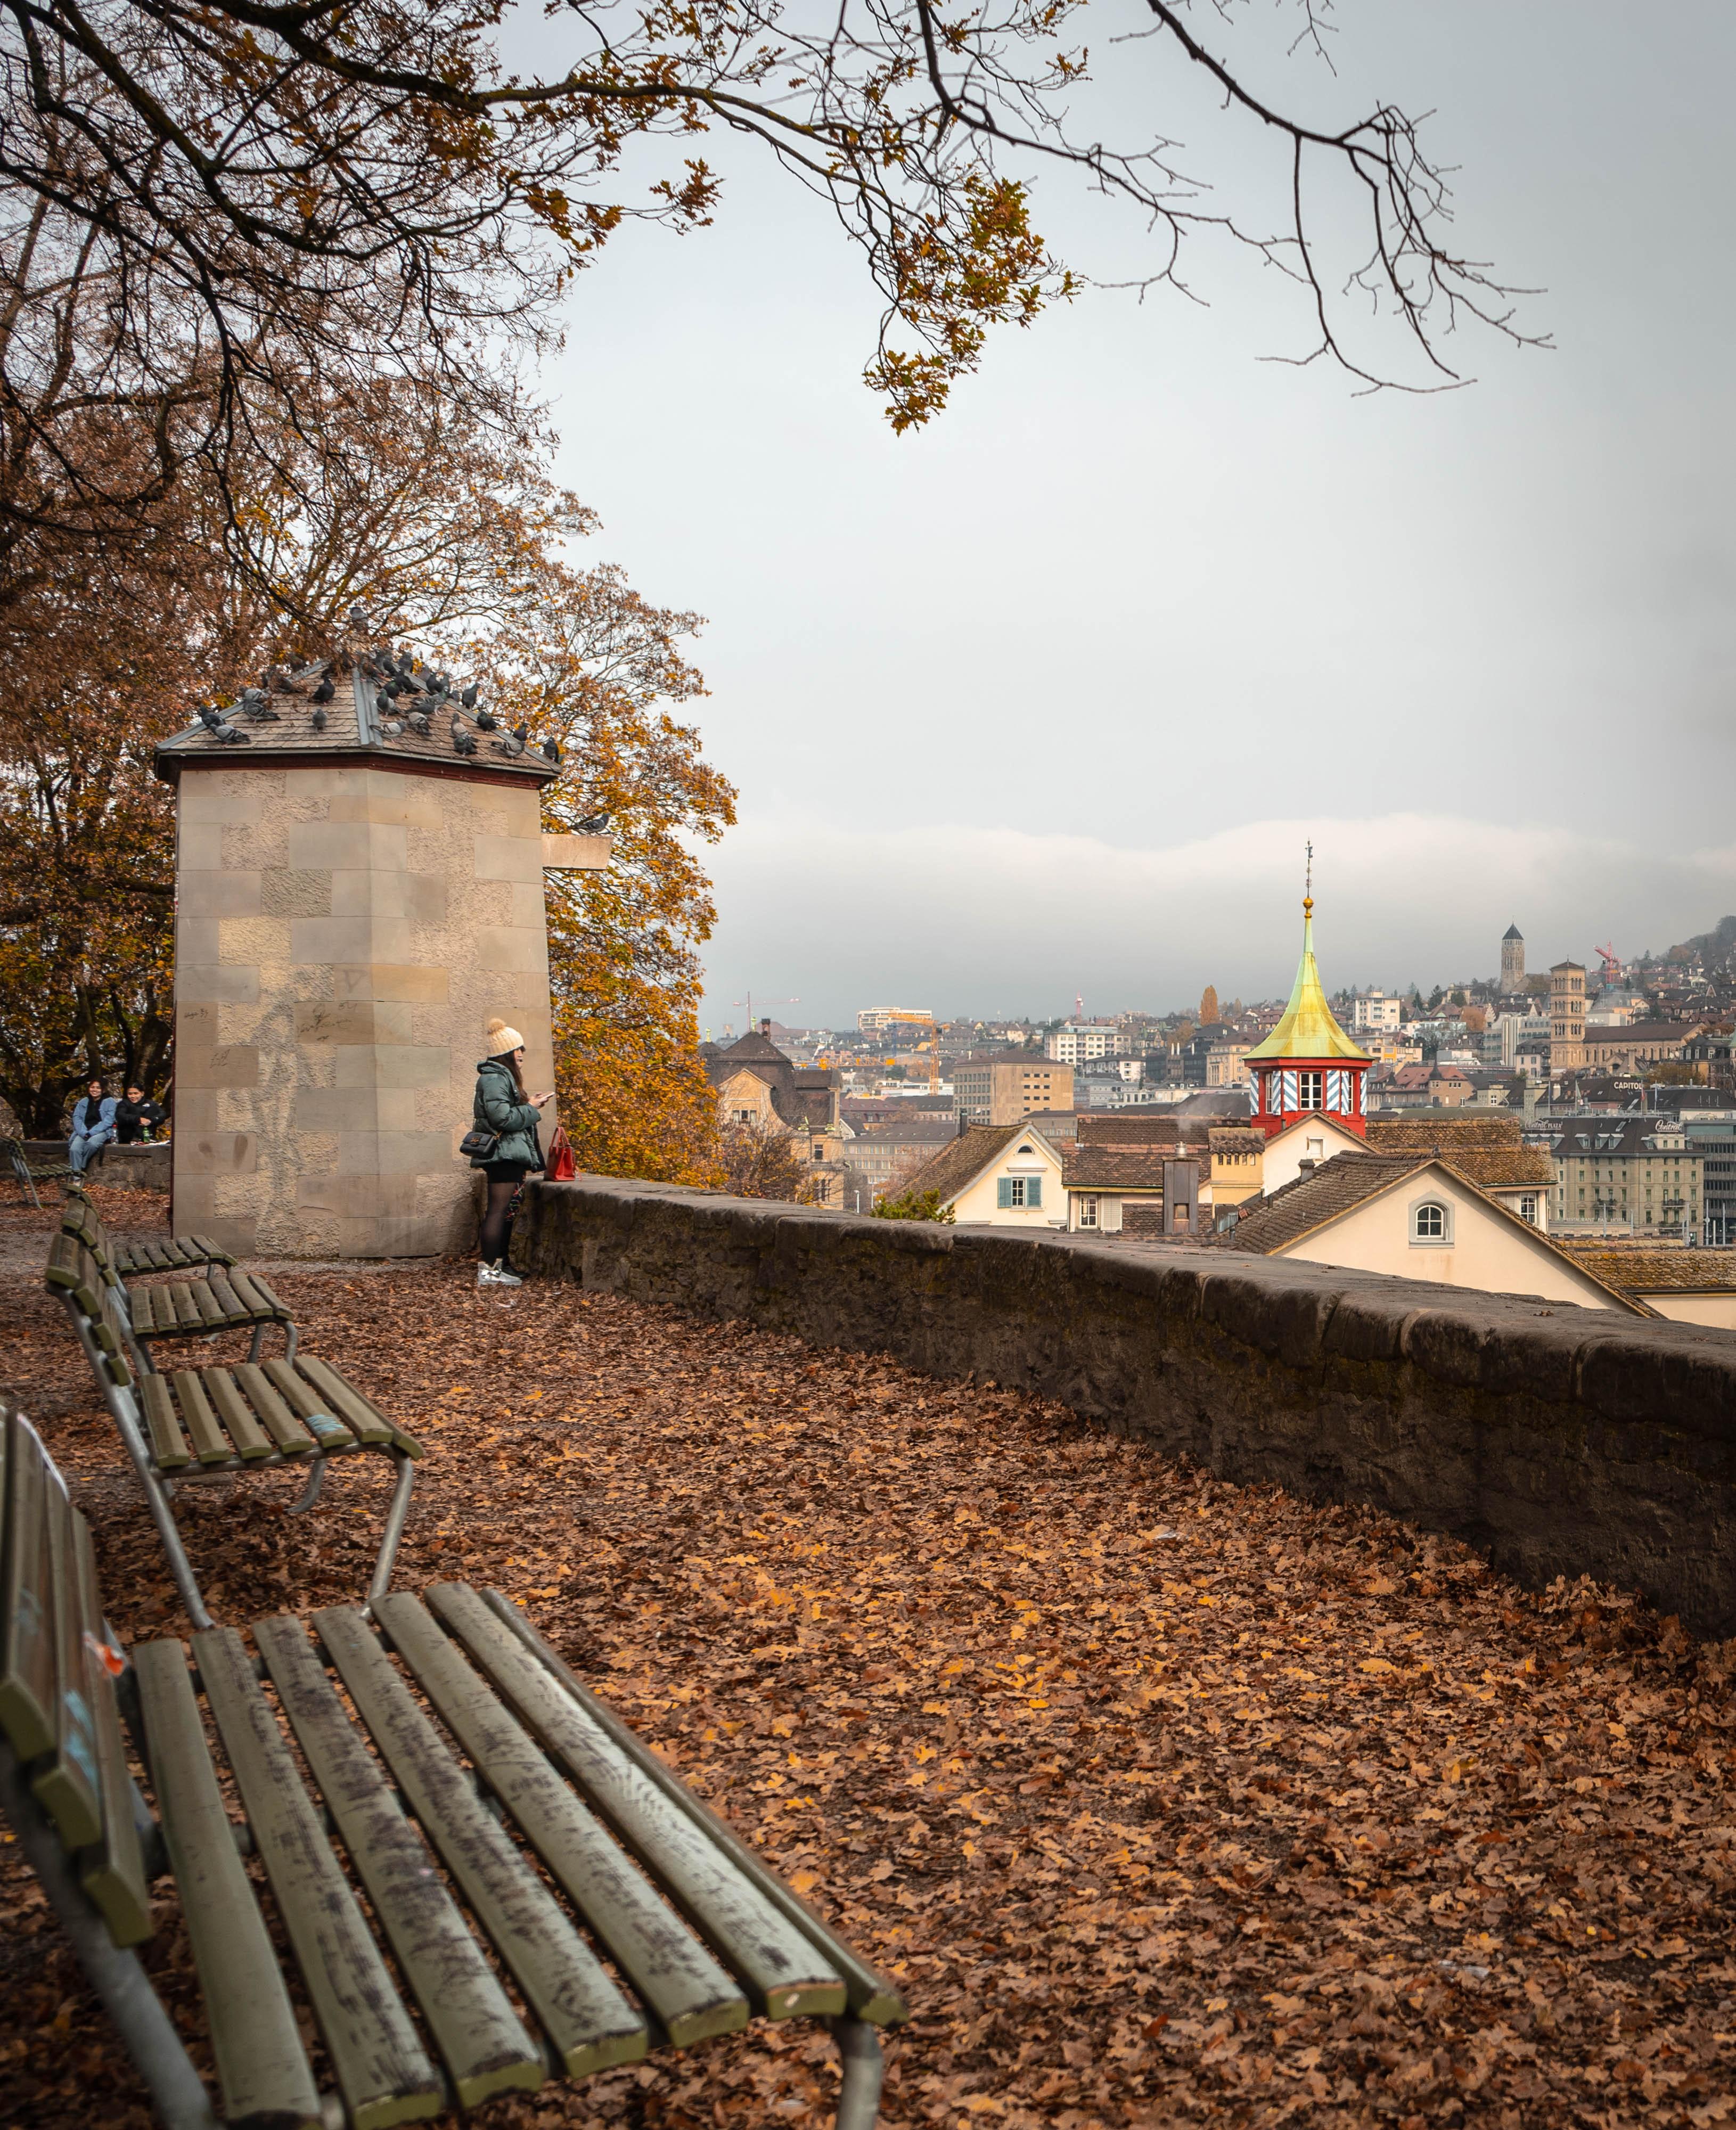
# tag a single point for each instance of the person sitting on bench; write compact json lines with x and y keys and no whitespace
{"x":93,"y":1127}
{"x":135,"y":1117}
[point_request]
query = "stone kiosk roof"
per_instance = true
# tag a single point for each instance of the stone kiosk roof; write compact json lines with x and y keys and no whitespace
{"x":284,"y":722}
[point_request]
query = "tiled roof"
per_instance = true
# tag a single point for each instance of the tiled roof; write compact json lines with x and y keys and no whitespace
{"x":1500,"y":1168}
{"x":958,"y":1166}
{"x":1618,"y":1137}
{"x":1318,"y":1197}
{"x":1115,"y":1168}
{"x":1651,"y":1271}
{"x":348,"y":724}
{"x":1441,"y":1134}
{"x":1235,"y":1139}
{"x":910,"y":1131}
{"x":1146,"y":1128}
{"x":1349,"y":1180}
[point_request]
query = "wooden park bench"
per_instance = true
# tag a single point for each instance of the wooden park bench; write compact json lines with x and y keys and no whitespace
{"x":142,"y":1253}
{"x":11,"y":1150}
{"x":226,"y":1300}
{"x":468,"y":1834}
{"x":203,"y":1424}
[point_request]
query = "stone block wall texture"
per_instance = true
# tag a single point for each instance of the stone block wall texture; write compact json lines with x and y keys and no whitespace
{"x":342,"y":935}
{"x":1557,"y":1440}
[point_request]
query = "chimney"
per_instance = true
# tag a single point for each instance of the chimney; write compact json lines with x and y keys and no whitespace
{"x":765,"y":1027}
{"x":1306,"y":1167}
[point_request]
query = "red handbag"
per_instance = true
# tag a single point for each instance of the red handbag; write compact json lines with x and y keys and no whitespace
{"x":560,"y":1167}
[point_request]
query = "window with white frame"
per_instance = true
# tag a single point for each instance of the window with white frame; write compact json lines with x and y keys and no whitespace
{"x":1087,"y":1211}
{"x":1015,"y":1193}
{"x":1431,"y":1221}
{"x":1311,"y":1091}
{"x":1528,"y":1209}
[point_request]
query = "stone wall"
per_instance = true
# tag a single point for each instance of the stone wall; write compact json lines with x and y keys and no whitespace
{"x":342,"y":935}
{"x":141,"y":1167}
{"x":1559,"y":1441}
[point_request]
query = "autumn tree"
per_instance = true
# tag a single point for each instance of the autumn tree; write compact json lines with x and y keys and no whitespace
{"x":266,"y":191}
{"x":760,"y":1161}
{"x":437,"y":517}
{"x":1208,"y":1013}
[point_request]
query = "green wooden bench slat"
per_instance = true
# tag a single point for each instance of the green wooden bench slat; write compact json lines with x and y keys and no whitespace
{"x":353,"y":1405}
{"x":873,"y":1998}
{"x":309,"y":1405}
{"x":226,"y":1297}
{"x":200,"y":1393}
{"x":246,"y":1294}
{"x":182,"y":1299}
{"x":287,"y":1432}
{"x":691,"y":1994}
{"x":27,"y":1626}
{"x":260,"y":2065}
{"x":112,"y":1869}
{"x":66,"y":1788}
{"x":479,"y":2037}
{"x":259,"y":1285}
{"x":168,"y":1444}
{"x":206,"y":1308}
{"x":250,"y":1438}
{"x":784,"y":1972}
{"x":142,"y":1306}
{"x":590,"y":2023}
{"x":385,"y":2073}
{"x":208,"y":1250}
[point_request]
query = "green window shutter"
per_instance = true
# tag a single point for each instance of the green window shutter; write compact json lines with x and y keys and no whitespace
{"x":1033,"y":1191}
{"x":1003,"y":1192}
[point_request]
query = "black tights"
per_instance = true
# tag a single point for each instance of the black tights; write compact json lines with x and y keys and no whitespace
{"x":497,"y":1221}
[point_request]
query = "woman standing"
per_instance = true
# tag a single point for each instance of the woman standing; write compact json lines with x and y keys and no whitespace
{"x":503,"y":1107}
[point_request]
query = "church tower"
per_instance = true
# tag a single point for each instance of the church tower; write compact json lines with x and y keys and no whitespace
{"x":1513,"y":961}
{"x":1307,"y":1066}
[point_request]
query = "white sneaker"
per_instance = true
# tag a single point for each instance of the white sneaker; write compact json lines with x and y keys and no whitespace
{"x":496,"y":1275}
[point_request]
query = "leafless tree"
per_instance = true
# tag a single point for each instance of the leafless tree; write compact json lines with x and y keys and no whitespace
{"x":220,"y":200}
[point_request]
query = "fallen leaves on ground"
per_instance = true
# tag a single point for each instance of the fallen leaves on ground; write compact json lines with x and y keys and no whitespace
{"x":1164,"y":1801}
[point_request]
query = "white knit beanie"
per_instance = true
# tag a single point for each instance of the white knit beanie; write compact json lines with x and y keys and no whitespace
{"x":497,"y":1039}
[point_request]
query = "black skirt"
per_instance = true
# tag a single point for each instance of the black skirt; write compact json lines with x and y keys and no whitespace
{"x":506,"y":1172}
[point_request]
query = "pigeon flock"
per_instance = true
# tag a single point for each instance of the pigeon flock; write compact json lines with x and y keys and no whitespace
{"x":408,"y":696}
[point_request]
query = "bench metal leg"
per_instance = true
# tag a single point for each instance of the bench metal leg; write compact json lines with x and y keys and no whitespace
{"x":122,"y":1411}
{"x":257,"y":1345}
{"x":310,"y":1493}
{"x":395,"y":1517}
{"x":177,"y":2093}
{"x":864,"y":2068}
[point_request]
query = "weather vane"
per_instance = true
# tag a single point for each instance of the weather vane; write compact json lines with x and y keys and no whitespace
{"x":1307,"y":889}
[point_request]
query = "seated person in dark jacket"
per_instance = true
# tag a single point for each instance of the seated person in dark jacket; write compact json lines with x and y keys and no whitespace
{"x":135,"y":1119}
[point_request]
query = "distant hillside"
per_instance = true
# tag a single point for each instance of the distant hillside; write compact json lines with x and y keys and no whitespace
{"x":1716,"y":949}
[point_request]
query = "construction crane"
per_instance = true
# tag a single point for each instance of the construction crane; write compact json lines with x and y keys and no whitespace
{"x":1612,"y":967}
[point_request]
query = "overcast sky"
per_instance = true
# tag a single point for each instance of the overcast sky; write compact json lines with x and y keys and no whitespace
{"x":1046,"y":699}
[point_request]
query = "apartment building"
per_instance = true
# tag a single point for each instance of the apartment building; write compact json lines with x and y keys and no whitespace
{"x":1001,"y":1087}
{"x":1639,"y":1175}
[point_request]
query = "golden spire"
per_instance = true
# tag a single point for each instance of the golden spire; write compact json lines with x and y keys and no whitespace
{"x":1307,"y":1029}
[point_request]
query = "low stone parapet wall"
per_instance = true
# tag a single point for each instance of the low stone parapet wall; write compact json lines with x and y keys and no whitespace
{"x":142,"y":1167}
{"x":1557,"y":1440}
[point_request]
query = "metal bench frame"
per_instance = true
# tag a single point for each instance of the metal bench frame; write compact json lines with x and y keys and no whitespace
{"x":26,"y":1177}
{"x":103,"y":1335}
{"x":86,"y":1230}
{"x":701,"y":1934}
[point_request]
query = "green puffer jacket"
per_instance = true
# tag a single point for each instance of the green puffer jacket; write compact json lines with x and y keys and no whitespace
{"x":497,"y":1108}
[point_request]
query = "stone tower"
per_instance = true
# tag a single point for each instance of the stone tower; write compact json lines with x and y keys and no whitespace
{"x":1513,"y":961}
{"x":1567,"y":1017}
{"x":355,"y":897}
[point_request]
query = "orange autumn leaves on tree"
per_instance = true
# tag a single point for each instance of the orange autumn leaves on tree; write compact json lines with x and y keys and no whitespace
{"x":436,"y":518}
{"x":584,"y":657}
